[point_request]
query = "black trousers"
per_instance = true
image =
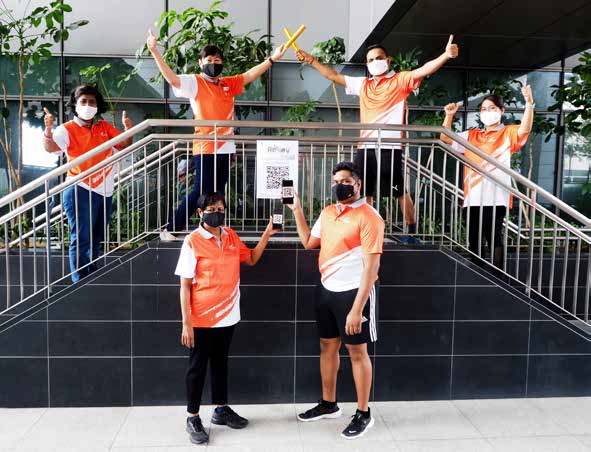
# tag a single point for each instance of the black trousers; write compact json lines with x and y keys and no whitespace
{"x":211,"y":346}
{"x":488,"y":232}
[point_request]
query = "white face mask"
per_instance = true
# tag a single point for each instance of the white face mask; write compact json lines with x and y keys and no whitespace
{"x":377,"y":67}
{"x":489,"y":118}
{"x":86,"y":112}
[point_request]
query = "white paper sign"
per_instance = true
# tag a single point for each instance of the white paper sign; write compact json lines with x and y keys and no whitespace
{"x":276,"y":161}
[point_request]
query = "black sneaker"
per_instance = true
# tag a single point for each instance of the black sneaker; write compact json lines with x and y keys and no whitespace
{"x":227,"y":416}
{"x":358,"y":426}
{"x":196,"y":431}
{"x":320,"y":411}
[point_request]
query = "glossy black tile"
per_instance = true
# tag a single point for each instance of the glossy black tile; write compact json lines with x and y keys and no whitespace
{"x":260,"y":380}
{"x":482,"y":377}
{"x":156,"y":302}
{"x":489,"y":303}
{"x":263,"y":339}
{"x":23,"y":382}
{"x":491,"y":338}
{"x":158,"y":339}
{"x":414,"y":338}
{"x":80,"y":382}
{"x":275,"y":267}
{"x":412,"y":378}
{"x":555,"y":338}
{"x":267,"y":302}
{"x":89,"y":338}
{"x":91,"y":302}
{"x":161,"y":381}
{"x":416,"y":303}
{"x":559,"y":376}
{"x":27,"y":338}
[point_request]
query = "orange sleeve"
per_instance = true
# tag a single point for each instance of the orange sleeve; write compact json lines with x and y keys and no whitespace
{"x":112,"y":132}
{"x":407,"y":82}
{"x":236,"y":84}
{"x":372,"y":234}
{"x":516,"y":141}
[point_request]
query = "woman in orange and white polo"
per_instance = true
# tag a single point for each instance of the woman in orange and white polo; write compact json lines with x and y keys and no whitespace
{"x":88,"y":203}
{"x":209,"y":268}
{"x":500,"y":142}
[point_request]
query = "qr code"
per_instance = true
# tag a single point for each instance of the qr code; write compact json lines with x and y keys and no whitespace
{"x":275,"y":174}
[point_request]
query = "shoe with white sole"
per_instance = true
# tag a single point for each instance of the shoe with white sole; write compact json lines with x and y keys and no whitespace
{"x":166,"y":236}
{"x":358,"y":426}
{"x":320,"y":411}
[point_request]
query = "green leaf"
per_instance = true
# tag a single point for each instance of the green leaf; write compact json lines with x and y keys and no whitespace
{"x":4,"y":112}
{"x":67,"y":8}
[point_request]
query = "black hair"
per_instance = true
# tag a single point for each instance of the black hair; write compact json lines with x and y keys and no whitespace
{"x":210,"y":199}
{"x":347,"y":166}
{"x":211,"y":50}
{"x":90,"y":90}
{"x":376,"y":46}
{"x":497,"y":100}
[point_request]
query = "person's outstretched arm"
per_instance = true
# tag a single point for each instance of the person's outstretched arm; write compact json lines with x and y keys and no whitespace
{"x":164,"y":68}
{"x":325,"y":71}
{"x":256,"y":71}
{"x":429,"y":68}
{"x":258,"y":250}
{"x":308,"y":240}
{"x":528,"y":115}
{"x":450,"y":112}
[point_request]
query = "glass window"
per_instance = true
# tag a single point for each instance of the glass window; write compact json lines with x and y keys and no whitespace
{"x":296,"y":83}
{"x":42,"y":79}
{"x":480,"y":84}
{"x":323,"y":115}
{"x":576,"y":183}
{"x":140,"y":85}
{"x":36,"y":161}
{"x":443,"y":87}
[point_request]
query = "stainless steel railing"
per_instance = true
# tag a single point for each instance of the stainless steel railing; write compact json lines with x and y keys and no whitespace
{"x":545,"y":242}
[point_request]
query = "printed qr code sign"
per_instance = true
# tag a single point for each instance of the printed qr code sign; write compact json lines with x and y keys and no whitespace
{"x":275,"y":174}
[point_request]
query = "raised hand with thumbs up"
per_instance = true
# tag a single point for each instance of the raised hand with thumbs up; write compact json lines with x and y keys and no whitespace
{"x":429,"y":68}
{"x":451,"y":49}
{"x":126,"y":121}
{"x":48,"y":120}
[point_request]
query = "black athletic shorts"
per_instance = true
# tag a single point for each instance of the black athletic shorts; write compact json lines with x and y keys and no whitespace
{"x":391,"y":174}
{"x":332,"y":309}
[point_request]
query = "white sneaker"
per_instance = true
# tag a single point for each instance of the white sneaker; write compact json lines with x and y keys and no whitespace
{"x":166,"y":236}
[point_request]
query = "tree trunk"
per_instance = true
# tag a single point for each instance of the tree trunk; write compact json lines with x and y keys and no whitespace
{"x":336,"y":98}
{"x":21,"y":85}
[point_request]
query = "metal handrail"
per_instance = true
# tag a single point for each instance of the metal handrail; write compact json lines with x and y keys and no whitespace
{"x":156,"y":191}
{"x":149,"y":123}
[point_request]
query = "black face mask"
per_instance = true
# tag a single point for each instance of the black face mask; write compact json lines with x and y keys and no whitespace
{"x":342,"y":192}
{"x":214,"y":219}
{"x":212,"y":69}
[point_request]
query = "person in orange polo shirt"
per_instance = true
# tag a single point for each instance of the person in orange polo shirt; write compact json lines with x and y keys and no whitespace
{"x":382,"y":100}
{"x":88,"y":203}
{"x":212,"y":98}
{"x":209,"y":268}
{"x":350,"y":235}
{"x":500,"y":142}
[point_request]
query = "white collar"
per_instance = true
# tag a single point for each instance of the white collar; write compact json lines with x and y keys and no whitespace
{"x":501,"y":126}
{"x":209,"y":79}
{"x":353,"y":205}
{"x":388,"y":75}
{"x":82,"y":123}
{"x":206,"y":234}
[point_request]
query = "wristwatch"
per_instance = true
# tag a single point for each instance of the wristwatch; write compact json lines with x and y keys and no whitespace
{"x":271,"y":60}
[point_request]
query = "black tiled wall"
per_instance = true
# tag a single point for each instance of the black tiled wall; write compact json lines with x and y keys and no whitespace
{"x":445,"y":331}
